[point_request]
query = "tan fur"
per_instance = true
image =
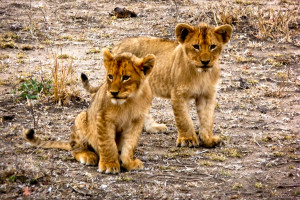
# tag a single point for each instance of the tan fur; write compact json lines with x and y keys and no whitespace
{"x":186,"y":69}
{"x":114,"y":121}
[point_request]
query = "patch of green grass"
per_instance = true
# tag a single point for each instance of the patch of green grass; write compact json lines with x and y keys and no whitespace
{"x":252,"y":81}
{"x":206,"y":163}
{"x":28,"y":28}
{"x":179,"y":152}
{"x":273,"y":62}
{"x":242,"y":59}
{"x":6,"y":45}
{"x":32,"y":89}
{"x":9,"y":36}
{"x":20,"y":55}
{"x":225,"y":138}
{"x":297,"y":192}
{"x":47,"y":42}
{"x":3,"y":66}
{"x":26,"y":47}
{"x":231,"y":152}
{"x":237,"y":186}
{"x":258,"y":185}
{"x":4,"y":56}
{"x":81,"y":38}
{"x":94,"y":50}
{"x":167,"y":168}
{"x":20,"y":61}
{"x":12,"y":178}
{"x":64,"y":56}
{"x":125,"y":178}
{"x":225,"y":173}
{"x":67,"y":37}
{"x":291,"y":167}
{"x":246,"y":3}
{"x":216,"y":156}
{"x":267,"y":139}
{"x":279,"y":154}
{"x":293,"y":156}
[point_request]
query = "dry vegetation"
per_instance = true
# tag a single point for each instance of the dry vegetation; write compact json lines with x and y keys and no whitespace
{"x":257,"y":114}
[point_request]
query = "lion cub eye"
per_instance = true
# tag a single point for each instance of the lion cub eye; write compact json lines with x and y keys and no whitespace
{"x":125,"y":78}
{"x":110,"y":77}
{"x":196,"y":46}
{"x":212,"y":47}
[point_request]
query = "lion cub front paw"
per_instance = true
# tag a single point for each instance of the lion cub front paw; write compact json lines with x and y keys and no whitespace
{"x":134,"y":164}
{"x":187,"y":141}
{"x":156,"y":128}
{"x":109,"y":168}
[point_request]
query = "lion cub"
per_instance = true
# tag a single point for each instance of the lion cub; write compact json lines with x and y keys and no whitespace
{"x":114,"y":121}
{"x":185,"y":69}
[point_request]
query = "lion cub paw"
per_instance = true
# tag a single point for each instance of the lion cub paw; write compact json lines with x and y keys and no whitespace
{"x":210,"y":141}
{"x":134,"y":164}
{"x":187,"y":141}
{"x":156,"y":128}
{"x":109,"y":168}
{"x":87,"y":158}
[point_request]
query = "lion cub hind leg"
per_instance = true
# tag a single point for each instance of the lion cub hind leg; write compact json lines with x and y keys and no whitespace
{"x":79,"y":143}
{"x":153,"y":127}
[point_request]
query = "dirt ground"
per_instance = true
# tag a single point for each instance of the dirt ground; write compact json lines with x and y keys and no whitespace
{"x":257,"y":114}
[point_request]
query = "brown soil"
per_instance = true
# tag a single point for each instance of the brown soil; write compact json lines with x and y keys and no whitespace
{"x":257,"y":116}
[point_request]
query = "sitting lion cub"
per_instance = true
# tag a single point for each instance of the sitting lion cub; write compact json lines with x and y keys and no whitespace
{"x":184,"y":70}
{"x":114,"y":121}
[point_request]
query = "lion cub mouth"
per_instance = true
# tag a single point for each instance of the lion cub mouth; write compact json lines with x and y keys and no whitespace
{"x":204,"y":68}
{"x":117,"y":101}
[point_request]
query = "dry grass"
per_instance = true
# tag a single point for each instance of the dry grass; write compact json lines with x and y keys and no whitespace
{"x":274,"y":24}
{"x":62,"y":76}
{"x":263,"y":21}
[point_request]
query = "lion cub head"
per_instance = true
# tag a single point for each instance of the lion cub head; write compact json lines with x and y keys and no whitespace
{"x":125,"y":73}
{"x":203,"y":44}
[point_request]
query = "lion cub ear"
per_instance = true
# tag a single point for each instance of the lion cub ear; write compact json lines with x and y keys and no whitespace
{"x":224,"y":33}
{"x":107,"y":57}
{"x":147,"y":64}
{"x":182,"y":31}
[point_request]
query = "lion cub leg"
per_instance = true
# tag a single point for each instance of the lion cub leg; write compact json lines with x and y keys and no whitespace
{"x":79,"y":144}
{"x":107,"y":147}
{"x":128,"y":143}
{"x":205,"y":110}
{"x":152,"y":127}
{"x":184,"y":123}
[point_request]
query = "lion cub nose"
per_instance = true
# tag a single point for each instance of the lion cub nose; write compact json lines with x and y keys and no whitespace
{"x":205,"y":62}
{"x":114,"y":93}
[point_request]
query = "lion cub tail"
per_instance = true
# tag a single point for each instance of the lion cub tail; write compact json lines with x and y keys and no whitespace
{"x":35,"y":141}
{"x":87,"y":86}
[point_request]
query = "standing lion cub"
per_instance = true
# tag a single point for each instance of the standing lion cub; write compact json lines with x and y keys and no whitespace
{"x":185,"y":69}
{"x":114,"y":121}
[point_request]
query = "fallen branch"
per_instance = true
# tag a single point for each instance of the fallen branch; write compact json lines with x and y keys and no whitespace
{"x":287,"y":186}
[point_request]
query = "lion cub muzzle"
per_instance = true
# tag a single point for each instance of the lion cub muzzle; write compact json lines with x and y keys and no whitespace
{"x":115,"y":99}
